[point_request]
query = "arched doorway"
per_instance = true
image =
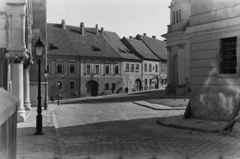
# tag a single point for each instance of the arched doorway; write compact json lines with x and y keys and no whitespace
{"x":175,"y":70}
{"x":138,"y":83}
{"x":156,"y":82}
{"x":92,"y":87}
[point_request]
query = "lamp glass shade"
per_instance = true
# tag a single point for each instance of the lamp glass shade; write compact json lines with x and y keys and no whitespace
{"x":39,"y":48}
{"x":45,"y":73}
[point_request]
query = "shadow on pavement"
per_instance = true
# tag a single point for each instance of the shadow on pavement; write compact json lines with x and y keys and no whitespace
{"x":125,"y":139}
{"x":117,"y":98}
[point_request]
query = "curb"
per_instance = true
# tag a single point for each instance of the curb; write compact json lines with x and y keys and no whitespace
{"x":60,"y":139}
{"x":147,"y":106}
{"x":159,"y":122}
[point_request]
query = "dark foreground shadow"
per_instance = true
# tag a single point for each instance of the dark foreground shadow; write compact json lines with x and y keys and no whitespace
{"x":141,"y":138}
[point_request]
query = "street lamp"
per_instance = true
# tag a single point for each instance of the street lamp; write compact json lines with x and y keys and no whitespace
{"x":58,"y":84}
{"x":45,"y":102}
{"x":39,"y":52}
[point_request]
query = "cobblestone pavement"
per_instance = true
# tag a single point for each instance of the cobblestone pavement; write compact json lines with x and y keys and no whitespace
{"x":30,"y":146}
{"x":123,"y":130}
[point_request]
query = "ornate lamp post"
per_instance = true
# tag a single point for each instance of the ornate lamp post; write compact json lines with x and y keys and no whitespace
{"x":39,"y":52}
{"x":58,"y":84}
{"x":45,"y":101}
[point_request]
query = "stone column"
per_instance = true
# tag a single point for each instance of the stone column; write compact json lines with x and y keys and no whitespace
{"x":27,"y":102}
{"x":181,"y":62}
{"x":169,"y":77}
{"x":17,"y":58}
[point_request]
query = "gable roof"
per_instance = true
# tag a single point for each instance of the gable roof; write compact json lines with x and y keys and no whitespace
{"x":115,"y":41}
{"x":69,"y":41}
{"x":141,"y":49}
{"x":158,"y":47}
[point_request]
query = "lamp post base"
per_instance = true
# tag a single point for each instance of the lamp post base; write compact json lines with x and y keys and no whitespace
{"x":39,"y":125}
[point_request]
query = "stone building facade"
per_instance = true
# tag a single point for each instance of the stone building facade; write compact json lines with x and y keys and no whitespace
{"x":131,"y":65}
{"x":82,"y":61}
{"x":150,"y":62}
{"x":178,"y":48}
{"x":214,"y":34}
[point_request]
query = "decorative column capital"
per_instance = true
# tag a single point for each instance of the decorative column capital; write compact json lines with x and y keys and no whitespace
{"x":28,"y":62}
{"x":15,"y":56}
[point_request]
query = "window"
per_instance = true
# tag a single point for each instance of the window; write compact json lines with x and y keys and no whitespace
{"x":145,"y":67}
{"x":116,"y":69}
{"x":48,"y":67}
{"x":137,"y":67}
{"x":59,"y":67}
{"x":132,"y":67}
{"x":113,"y":86}
{"x":146,"y":82}
{"x":127,"y":67}
{"x":59,"y":84}
{"x":88,"y":68}
{"x":107,"y":69}
{"x":97,"y":69}
{"x":180,"y":18}
{"x":156,"y":68}
{"x":71,"y":84}
{"x":150,"y":82}
{"x":228,"y":55}
{"x":150,"y":67}
{"x":106,"y":86}
{"x":72,"y":68}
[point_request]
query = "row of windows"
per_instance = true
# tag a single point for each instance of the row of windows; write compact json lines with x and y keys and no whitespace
{"x":131,"y":67}
{"x":96,"y":69}
{"x":59,"y":67}
{"x":177,"y":16}
{"x":89,"y":69}
{"x":59,"y":84}
{"x":150,"y":68}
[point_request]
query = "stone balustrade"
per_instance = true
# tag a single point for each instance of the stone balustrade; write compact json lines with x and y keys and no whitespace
{"x":8,"y":125}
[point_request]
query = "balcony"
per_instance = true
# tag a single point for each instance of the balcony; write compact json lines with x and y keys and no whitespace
{"x":180,"y":26}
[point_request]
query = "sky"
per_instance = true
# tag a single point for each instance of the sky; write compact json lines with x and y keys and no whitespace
{"x":125,"y":17}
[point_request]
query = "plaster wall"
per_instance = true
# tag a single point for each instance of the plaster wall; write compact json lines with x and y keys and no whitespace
{"x":213,"y":95}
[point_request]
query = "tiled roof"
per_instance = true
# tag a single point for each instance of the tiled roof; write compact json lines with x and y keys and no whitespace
{"x":142,"y":49}
{"x":156,"y":46}
{"x":70,"y":41}
{"x":58,"y":42}
{"x":115,"y":41}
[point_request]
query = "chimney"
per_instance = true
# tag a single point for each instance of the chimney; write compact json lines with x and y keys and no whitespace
{"x":145,"y":34}
{"x":96,"y":29}
{"x":82,"y":28}
{"x":63,"y":24}
{"x":130,"y":37}
{"x":154,"y":37}
{"x":102,"y":29}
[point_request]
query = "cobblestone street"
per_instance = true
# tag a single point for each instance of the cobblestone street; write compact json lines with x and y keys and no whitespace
{"x":125,"y":130}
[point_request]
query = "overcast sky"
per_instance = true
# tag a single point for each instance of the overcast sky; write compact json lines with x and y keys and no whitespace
{"x":125,"y":17}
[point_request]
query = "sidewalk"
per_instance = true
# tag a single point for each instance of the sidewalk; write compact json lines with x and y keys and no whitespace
{"x":31,"y":146}
{"x":190,"y":124}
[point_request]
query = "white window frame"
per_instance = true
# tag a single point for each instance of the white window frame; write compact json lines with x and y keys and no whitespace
{"x":105,"y":69}
{"x":137,"y":68}
{"x":95,"y":69}
{"x":74,"y":67}
{"x":88,"y":71}
{"x":70,"y":84}
{"x":116,"y":66}
{"x":59,"y":63}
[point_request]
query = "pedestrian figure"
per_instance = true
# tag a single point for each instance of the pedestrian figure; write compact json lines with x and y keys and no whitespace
{"x":126,"y":90}
{"x":52,"y":99}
